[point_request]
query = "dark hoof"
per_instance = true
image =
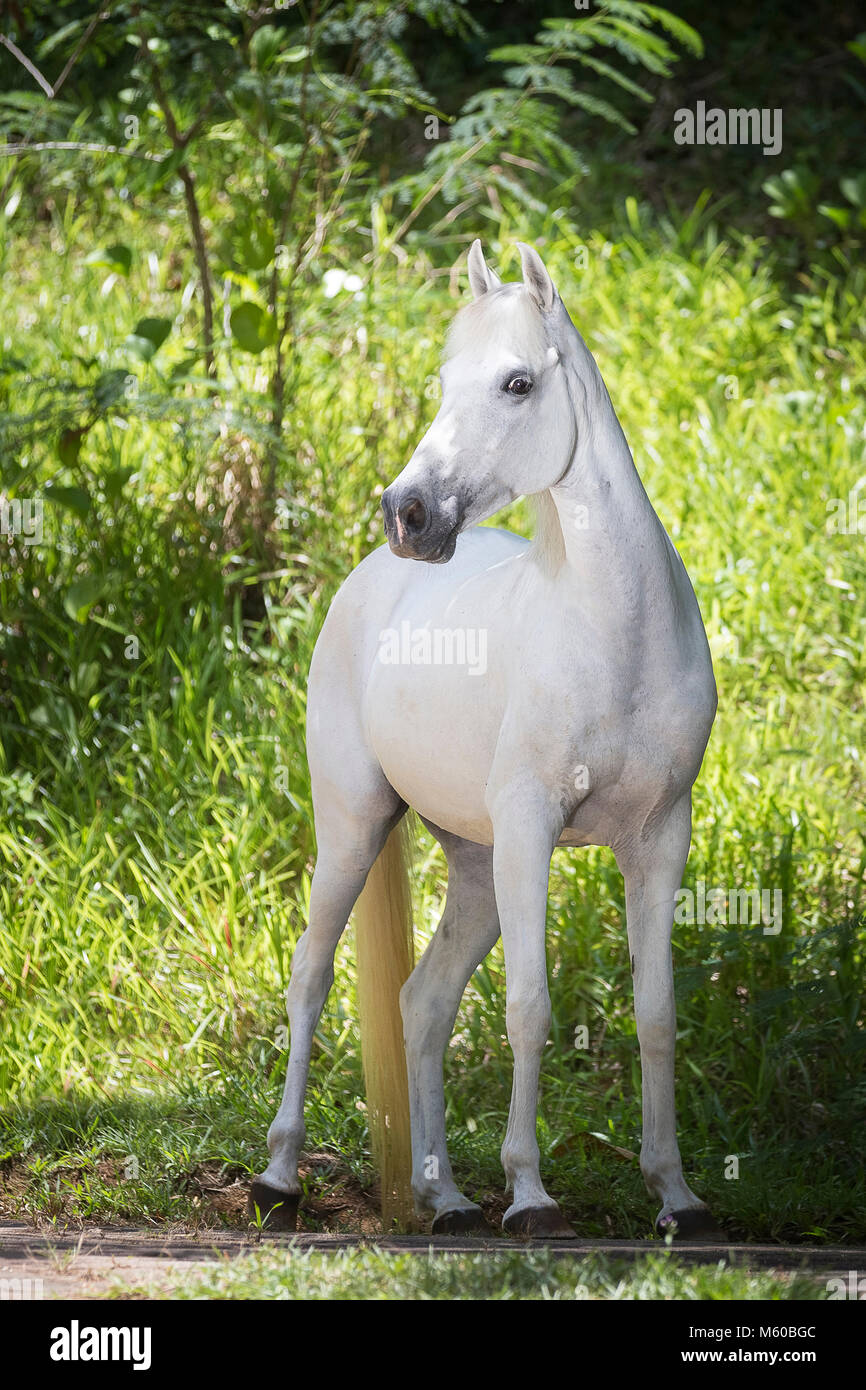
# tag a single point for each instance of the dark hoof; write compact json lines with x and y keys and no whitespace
{"x":694,"y":1223}
{"x":463,"y":1221}
{"x":539,"y":1223}
{"x":278,"y":1210}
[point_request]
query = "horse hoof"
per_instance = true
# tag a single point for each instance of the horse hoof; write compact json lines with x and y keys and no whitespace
{"x":538,"y":1223}
{"x":463,"y":1221}
{"x":692,"y":1223}
{"x":278,"y":1211}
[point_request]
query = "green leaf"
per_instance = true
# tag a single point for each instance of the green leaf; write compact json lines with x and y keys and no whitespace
{"x":248,"y":244}
{"x":114,"y":482}
{"x":69,"y":447}
{"x":380,"y":224}
{"x":59,"y":37}
{"x":257,"y":245}
{"x":83,"y":679}
{"x":265,"y":46}
{"x":619,"y":78}
{"x":855,"y":190}
{"x":148,"y":337}
{"x":841,"y":216}
{"x":597,"y":106}
{"x":858,"y":47}
{"x":81,"y":596}
{"x":518,"y":53}
{"x":252,"y":329}
{"x":116,"y":258}
{"x":74,"y":499}
{"x":677,"y":28}
{"x":109,"y":387}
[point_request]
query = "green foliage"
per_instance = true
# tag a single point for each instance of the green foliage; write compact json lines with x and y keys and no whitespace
{"x":520,"y":125}
{"x":794,"y":192}
{"x":534,"y":1275}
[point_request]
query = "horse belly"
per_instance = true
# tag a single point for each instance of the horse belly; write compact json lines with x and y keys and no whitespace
{"x":433,"y":730}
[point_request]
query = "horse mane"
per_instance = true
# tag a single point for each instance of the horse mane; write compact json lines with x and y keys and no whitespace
{"x":548,"y":542}
{"x":480,"y":322}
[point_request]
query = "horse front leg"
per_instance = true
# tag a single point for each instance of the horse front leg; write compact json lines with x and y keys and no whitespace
{"x":342,"y":866}
{"x":652,"y":868}
{"x":525,"y":830}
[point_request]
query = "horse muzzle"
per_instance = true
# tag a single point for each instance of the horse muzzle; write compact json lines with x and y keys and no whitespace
{"x":417,"y":529}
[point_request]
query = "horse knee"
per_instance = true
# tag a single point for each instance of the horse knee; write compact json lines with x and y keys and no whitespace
{"x":656,"y":1032}
{"x":655,"y":1015}
{"x":527,"y":1019}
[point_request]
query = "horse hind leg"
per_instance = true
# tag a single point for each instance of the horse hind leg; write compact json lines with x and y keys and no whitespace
{"x":429,"y":1001}
{"x":350,"y":837}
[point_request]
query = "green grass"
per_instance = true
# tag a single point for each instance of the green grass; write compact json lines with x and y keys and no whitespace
{"x":157,"y":842}
{"x":536,"y":1276}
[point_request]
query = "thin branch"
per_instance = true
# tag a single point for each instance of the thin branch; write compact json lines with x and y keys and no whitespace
{"x":89,"y":147}
{"x":26,"y":63}
{"x":278,"y":379}
{"x":184,"y":173}
{"x":195,"y":222}
{"x":438,"y":186}
{"x":76,"y":52}
{"x":51,"y":92}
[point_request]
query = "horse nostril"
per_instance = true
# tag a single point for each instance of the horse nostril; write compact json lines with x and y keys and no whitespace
{"x":413,"y":516}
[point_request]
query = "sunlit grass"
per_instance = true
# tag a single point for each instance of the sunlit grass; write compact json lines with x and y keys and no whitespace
{"x":537,"y":1276}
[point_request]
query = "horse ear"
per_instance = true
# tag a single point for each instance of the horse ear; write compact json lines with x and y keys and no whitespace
{"x":481,"y":277}
{"x":536,"y":278}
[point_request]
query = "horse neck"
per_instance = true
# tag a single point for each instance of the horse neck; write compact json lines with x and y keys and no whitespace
{"x":613,"y":548}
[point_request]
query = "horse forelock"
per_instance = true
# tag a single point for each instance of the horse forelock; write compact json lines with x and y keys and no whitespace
{"x":507,"y":317}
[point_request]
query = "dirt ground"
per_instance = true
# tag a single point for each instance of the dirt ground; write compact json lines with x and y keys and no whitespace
{"x":334,"y":1199}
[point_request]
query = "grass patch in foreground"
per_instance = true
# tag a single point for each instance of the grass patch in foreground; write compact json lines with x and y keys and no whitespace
{"x":537,"y":1275}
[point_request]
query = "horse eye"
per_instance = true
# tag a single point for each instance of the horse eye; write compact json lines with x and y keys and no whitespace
{"x":518,"y":386}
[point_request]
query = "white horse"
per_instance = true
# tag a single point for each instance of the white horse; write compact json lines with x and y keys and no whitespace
{"x":519,"y":696}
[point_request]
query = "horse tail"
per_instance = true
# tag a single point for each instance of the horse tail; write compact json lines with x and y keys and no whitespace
{"x":385,"y":956}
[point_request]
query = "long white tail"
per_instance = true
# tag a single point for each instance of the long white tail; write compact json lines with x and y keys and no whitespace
{"x":385,"y":953}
